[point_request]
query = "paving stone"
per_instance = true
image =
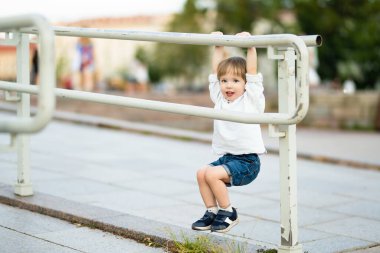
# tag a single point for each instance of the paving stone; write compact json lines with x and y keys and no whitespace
{"x":333,"y":244}
{"x":269,"y":232}
{"x":29,"y":222}
{"x":259,"y":230}
{"x":193,"y":198}
{"x":270,"y":212}
{"x":360,"y":208}
{"x":8,"y":174}
{"x":308,"y":216}
{"x":160,"y":186}
{"x":126,"y":201}
{"x":13,"y":241}
{"x":316,"y":198}
{"x":180,"y":215}
{"x":370,"y":249}
{"x":73,"y":186}
{"x":355,"y":227}
{"x":6,"y":209}
{"x":25,"y":231}
{"x":90,"y":240}
{"x":244,"y":201}
{"x":109,"y":174}
{"x":60,"y":206}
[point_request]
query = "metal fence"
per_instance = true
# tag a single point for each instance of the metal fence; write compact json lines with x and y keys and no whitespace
{"x":289,"y":50}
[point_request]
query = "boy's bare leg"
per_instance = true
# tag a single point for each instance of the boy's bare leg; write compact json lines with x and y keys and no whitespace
{"x":205,"y":190}
{"x":216,"y":177}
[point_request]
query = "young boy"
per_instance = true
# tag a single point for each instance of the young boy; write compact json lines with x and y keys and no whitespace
{"x":234,"y":86}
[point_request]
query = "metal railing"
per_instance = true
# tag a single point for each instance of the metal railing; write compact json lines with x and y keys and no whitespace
{"x":289,"y":50}
{"x":46,"y":101}
{"x":269,"y":41}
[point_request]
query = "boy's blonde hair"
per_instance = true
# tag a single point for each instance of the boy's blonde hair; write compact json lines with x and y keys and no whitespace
{"x":236,"y":65}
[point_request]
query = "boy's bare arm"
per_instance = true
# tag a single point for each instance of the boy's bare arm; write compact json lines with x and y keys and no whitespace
{"x":218,"y":55}
{"x":251,"y":57}
{"x":251,"y":61}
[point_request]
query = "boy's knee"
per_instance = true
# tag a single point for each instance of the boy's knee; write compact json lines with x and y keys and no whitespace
{"x":201,"y":174}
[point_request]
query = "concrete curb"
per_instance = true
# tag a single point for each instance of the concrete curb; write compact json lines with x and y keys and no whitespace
{"x":149,"y":232}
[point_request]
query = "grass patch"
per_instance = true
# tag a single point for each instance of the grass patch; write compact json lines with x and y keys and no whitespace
{"x":203,"y":244}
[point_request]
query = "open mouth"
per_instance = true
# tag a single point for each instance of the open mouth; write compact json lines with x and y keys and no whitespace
{"x":229,"y":93}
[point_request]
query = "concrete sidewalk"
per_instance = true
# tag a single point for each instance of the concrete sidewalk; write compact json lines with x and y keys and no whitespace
{"x":352,"y":148}
{"x":146,"y":182}
{"x":30,"y":232}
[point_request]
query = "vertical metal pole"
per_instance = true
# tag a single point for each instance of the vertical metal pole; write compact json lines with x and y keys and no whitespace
{"x":23,"y":186}
{"x":288,"y":155}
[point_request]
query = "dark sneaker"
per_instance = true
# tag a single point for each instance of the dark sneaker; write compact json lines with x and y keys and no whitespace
{"x":205,"y":222}
{"x":224,"y":221}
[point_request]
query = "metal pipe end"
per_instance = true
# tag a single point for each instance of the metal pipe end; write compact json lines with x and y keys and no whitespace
{"x":318,"y":40}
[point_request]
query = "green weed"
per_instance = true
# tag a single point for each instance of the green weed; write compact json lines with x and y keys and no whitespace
{"x":203,"y":244}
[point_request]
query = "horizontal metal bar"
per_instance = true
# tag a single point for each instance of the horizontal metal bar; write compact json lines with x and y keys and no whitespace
{"x":206,"y":112}
{"x":182,"y":38}
{"x":277,"y":40}
{"x":46,"y":101}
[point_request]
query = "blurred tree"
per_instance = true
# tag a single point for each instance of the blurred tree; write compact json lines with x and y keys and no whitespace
{"x":350,"y":28}
{"x":143,"y":55}
{"x":235,"y":16}
{"x":185,"y":61}
{"x":351,"y":32}
{"x":241,"y":15}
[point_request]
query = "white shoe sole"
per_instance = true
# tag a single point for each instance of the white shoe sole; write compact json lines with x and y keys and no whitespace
{"x":201,"y":228}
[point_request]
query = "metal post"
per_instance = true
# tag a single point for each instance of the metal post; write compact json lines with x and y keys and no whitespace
{"x":23,"y":186}
{"x":288,"y":155}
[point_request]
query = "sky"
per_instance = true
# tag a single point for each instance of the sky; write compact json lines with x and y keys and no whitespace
{"x":72,"y":10}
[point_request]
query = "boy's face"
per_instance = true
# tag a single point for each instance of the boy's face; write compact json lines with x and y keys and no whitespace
{"x":232,"y":86}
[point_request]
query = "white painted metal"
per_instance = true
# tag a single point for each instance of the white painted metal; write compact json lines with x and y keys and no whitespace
{"x":46,"y":101}
{"x":288,"y":156}
{"x":181,"y":38}
{"x":277,"y":40}
{"x":12,"y":97}
{"x":23,"y":186}
{"x":274,"y":132}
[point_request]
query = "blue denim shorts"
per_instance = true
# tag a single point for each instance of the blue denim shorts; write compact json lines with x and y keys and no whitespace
{"x":242,"y":169}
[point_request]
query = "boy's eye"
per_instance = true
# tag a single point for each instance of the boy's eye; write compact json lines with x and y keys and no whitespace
{"x":223,"y":80}
{"x":236,"y":80}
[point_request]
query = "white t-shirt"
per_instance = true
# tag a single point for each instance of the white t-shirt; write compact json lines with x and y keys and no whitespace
{"x":238,"y":138}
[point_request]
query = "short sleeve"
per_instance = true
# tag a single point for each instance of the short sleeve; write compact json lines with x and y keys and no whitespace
{"x":258,"y":78}
{"x":255,"y":91}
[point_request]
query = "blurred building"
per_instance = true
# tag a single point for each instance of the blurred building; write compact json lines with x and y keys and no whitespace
{"x":8,"y":68}
{"x":113,"y":58}
{"x":7,"y":63}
